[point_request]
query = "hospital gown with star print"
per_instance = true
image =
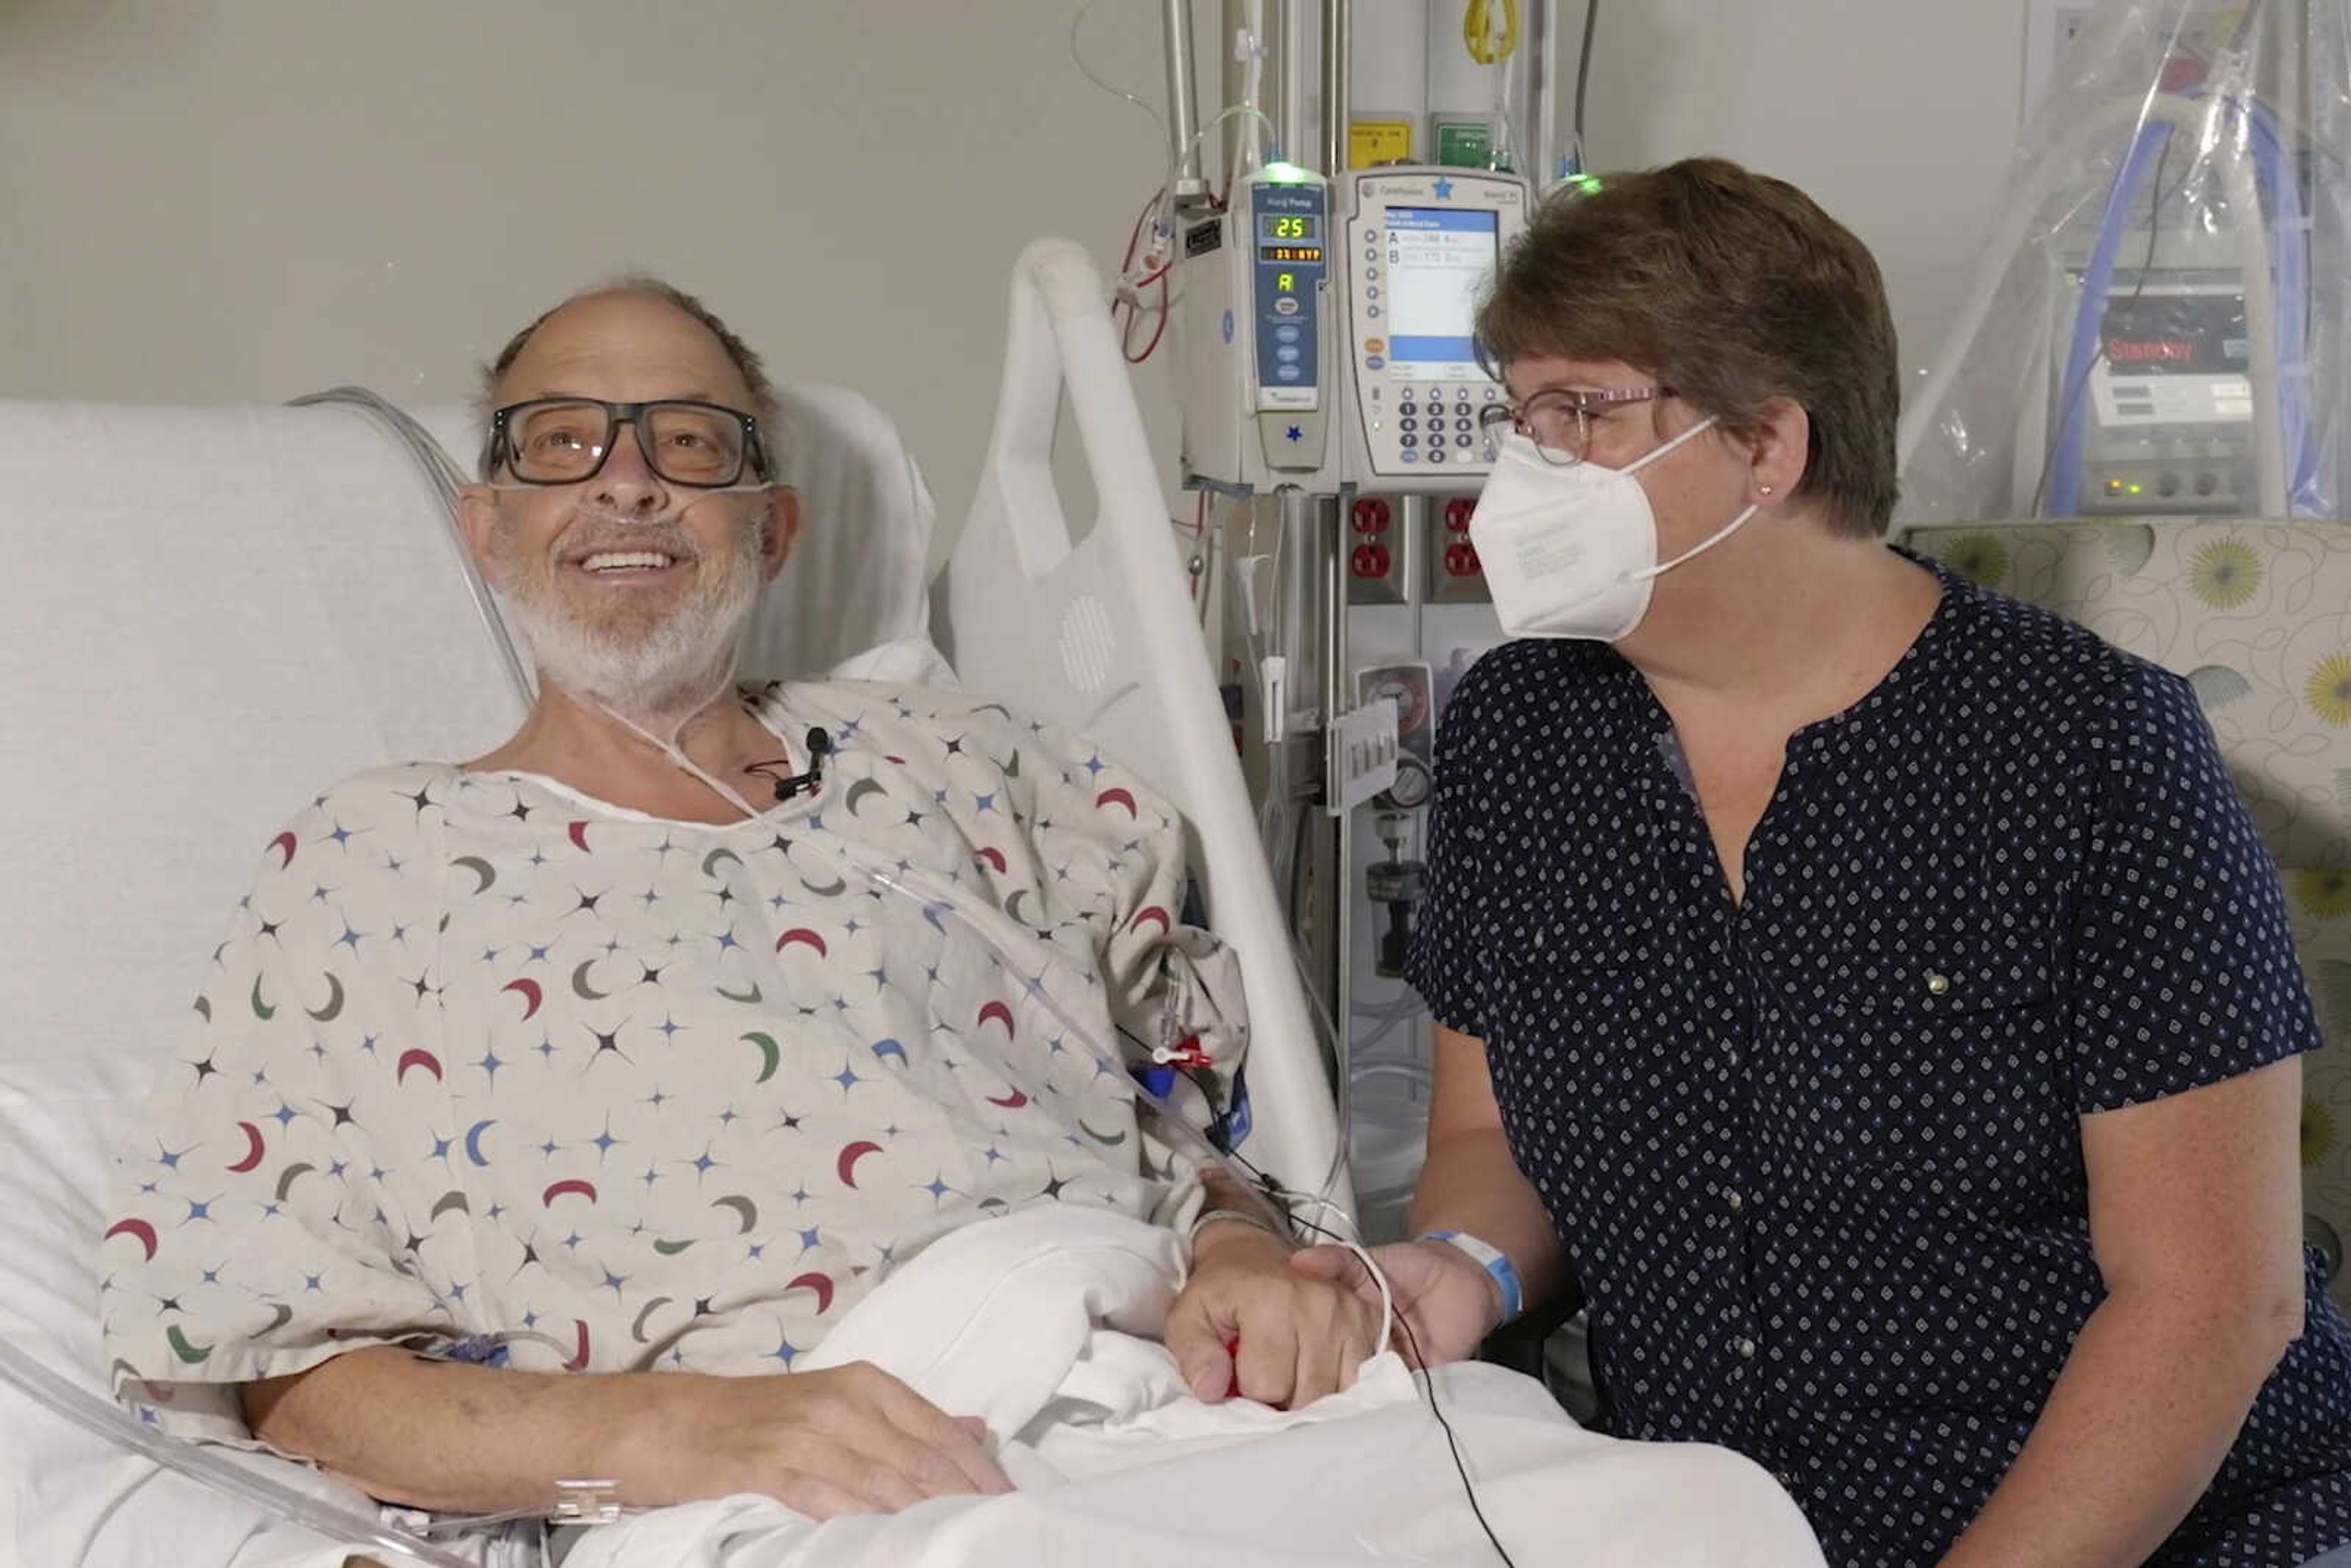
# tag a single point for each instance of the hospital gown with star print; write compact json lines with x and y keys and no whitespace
{"x":491,"y":1070}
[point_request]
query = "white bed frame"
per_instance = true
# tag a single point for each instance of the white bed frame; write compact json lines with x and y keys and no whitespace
{"x":1105,"y":641}
{"x":215,"y":611}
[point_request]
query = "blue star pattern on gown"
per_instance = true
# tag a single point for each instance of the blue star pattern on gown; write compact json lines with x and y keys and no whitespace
{"x":489,"y":1068}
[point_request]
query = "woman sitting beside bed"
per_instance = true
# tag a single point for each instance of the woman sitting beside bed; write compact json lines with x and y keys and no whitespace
{"x":1868,"y":989}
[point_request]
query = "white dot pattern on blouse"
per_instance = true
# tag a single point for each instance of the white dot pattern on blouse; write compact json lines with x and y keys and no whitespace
{"x":1816,"y":1159}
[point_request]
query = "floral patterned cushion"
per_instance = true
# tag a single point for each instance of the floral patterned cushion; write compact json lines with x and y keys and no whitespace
{"x":2257,"y":616}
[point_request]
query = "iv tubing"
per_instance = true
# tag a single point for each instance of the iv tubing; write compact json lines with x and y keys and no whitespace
{"x":2261,"y":322}
{"x":213,"y":1469}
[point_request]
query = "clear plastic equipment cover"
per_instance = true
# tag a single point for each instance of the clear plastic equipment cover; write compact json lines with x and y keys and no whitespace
{"x":2147,"y":330}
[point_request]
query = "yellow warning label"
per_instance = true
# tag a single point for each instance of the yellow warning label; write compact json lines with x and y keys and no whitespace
{"x":1370,"y":142}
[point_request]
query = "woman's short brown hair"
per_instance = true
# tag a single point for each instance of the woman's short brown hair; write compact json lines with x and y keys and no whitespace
{"x":1730,"y":287}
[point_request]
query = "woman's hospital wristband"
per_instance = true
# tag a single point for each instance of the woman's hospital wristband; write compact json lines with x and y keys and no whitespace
{"x":1492,"y":1258}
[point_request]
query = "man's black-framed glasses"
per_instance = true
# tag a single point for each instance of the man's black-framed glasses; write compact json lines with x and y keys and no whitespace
{"x":564,"y":439}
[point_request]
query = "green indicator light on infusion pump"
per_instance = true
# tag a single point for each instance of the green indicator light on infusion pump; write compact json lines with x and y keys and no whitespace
{"x":1281,"y":173}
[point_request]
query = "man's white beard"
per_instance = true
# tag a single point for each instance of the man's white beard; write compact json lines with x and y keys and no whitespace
{"x":659,"y":675}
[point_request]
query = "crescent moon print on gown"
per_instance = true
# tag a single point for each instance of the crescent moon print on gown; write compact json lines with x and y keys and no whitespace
{"x":835,"y":890}
{"x":771,"y":1054}
{"x":847,"y":1165}
{"x":528,"y":991}
{"x":252,"y":1148}
{"x":637,"y":1329}
{"x":858,"y":792}
{"x":745,"y":1209}
{"x":474,"y":1141}
{"x":286,"y":1177}
{"x":806,"y":937}
{"x":710,"y":862}
{"x":580,"y":986}
{"x":138,"y":1229}
{"x":821,"y":1283}
{"x":481,"y":868}
{"x":334,"y":1007}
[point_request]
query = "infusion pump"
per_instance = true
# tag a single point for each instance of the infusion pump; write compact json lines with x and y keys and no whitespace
{"x":1422,"y":245}
{"x":1326,"y":330}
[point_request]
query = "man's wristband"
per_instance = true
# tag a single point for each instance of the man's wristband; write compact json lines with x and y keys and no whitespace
{"x":1492,"y":1258}
{"x":1209,"y":1217}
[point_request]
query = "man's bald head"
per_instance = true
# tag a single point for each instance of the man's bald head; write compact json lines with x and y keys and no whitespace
{"x":637,"y":286}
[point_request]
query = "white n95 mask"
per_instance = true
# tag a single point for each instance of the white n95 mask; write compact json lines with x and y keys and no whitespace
{"x":1570,"y":551}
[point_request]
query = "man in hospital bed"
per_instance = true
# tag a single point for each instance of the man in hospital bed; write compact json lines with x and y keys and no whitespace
{"x":606,"y":1107}
{"x":592,"y":1056}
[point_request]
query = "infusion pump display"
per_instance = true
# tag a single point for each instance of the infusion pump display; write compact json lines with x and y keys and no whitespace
{"x":1421,"y":245}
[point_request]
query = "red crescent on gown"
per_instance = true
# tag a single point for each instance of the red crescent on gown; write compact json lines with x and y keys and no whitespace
{"x":529,"y":993}
{"x":847,"y":1165}
{"x":821,"y":1283}
{"x":138,"y":1227}
{"x":253,"y":1152}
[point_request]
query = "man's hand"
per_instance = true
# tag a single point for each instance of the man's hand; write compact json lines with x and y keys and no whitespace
{"x":470,"y":1440}
{"x":1448,"y":1302}
{"x":849,"y":1439}
{"x":1296,"y":1337}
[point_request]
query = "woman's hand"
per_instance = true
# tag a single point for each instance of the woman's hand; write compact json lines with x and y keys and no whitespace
{"x":1446,"y":1304}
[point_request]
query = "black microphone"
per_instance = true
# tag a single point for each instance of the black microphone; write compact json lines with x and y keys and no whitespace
{"x":819,"y":746}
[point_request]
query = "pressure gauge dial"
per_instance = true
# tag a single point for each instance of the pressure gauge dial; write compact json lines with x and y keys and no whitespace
{"x":1413,"y":784}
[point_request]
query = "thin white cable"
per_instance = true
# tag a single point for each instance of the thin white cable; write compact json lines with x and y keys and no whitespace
{"x":1087,"y":71}
{"x":1249,"y":46}
{"x":214,"y":1468}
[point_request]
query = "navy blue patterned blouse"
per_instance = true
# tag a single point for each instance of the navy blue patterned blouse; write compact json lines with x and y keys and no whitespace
{"x":1815,"y":1158}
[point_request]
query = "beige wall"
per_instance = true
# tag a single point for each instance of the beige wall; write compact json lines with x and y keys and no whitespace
{"x":237,"y":200}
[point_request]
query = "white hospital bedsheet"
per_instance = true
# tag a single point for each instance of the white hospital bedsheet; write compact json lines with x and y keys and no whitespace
{"x":1032,"y":1323}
